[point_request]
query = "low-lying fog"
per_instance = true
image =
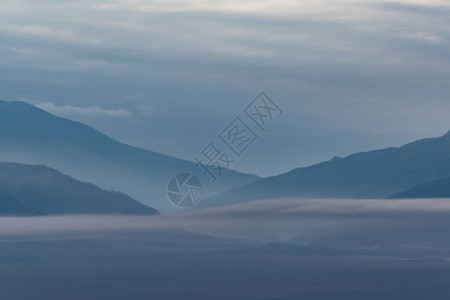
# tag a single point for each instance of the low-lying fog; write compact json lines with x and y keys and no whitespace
{"x":273,"y":249}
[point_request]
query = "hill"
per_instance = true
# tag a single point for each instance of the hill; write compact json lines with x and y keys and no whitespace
{"x":30,"y":135}
{"x":374,"y":174}
{"x":434,"y":189}
{"x":27,"y":190}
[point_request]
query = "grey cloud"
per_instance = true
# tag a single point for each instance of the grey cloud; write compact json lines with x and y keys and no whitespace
{"x":434,"y":10}
{"x":74,"y":112}
{"x":350,"y":80}
{"x":335,"y":208}
{"x":259,"y":214}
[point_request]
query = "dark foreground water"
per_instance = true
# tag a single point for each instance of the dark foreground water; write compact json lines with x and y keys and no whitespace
{"x":237,"y":253}
{"x":187,"y":266}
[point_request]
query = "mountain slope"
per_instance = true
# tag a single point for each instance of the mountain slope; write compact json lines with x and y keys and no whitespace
{"x":13,"y":207}
{"x":434,"y":189}
{"x":47,"y":191}
{"x":375,"y":174}
{"x":32,"y":136}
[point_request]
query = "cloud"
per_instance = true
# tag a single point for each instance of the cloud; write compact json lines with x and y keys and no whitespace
{"x":336,"y":9}
{"x":66,"y":35}
{"x":92,"y":111}
{"x":145,"y":110}
{"x":241,"y":216}
{"x":352,"y":75}
{"x":336,"y":208}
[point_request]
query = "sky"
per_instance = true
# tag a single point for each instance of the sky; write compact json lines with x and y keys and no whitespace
{"x":170,"y":75}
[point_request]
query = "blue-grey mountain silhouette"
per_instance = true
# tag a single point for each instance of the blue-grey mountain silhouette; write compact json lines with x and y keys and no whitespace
{"x":433,"y":189}
{"x":30,"y":135}
{"x":34,"y":190}
{"x":13,"y":207}
{"x":374,"y":174}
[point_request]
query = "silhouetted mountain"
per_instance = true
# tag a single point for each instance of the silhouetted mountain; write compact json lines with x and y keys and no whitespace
{"x":374,"y":174}
{"x":25,"y":189}
{"x":32,"y":136}
{"x":434,"y":189}
{"x":12,"y":207}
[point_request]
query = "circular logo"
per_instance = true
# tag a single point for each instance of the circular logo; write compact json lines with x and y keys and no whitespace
{"x":184,"y":190}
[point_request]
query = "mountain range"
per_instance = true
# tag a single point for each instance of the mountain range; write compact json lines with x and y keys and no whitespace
{"x":433,"y":189}
{"x":374,"y":174}
{"x":39,"y":190}
{"x":30,"y":135}
{"x":13,"y":207}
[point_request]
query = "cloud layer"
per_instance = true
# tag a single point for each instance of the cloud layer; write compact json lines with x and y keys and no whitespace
{"x":265,"y":215}
{"x":351,"y":75}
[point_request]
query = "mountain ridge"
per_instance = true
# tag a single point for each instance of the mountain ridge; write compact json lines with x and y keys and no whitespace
{"x":30,"y":135}
{"x":40,"y":190}
{"x":432,"y":189}
{"x":373,"y":174}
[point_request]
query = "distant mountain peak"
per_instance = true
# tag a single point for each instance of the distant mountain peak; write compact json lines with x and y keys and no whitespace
{"x":19,"y":104}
